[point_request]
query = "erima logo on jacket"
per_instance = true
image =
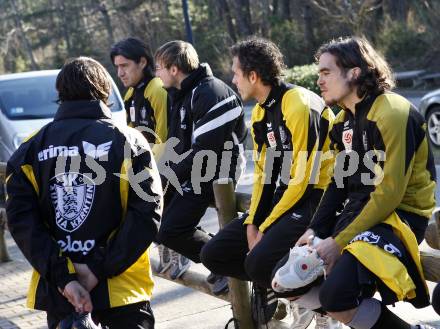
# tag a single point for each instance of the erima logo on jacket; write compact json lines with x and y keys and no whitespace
{"x":94,"y":151}
{"x":54,"y":151}
{"x":98,"y":150}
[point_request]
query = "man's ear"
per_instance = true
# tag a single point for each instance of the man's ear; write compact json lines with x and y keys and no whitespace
{"x":355,"y":73}
{"x":253,"y":77}
{"x":174,"y":70}
{"x":143,"y":62}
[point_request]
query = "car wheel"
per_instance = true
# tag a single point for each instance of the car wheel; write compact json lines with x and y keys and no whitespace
{"x":433,"y":121}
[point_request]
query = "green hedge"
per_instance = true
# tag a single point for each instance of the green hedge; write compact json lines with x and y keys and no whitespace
{"x":304,"y":76}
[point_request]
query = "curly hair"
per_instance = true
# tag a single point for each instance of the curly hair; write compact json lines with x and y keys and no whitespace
{"x":83,"y":78}
{"x":376,"y":75}
{"x":261,"y":56}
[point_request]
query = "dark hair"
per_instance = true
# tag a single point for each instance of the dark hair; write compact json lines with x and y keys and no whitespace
{"x":179,"y":53}
{"x":134,"y":49}
{"x":83,"y":78}
{"x":262,"y":56}
{"x":376,"y":75}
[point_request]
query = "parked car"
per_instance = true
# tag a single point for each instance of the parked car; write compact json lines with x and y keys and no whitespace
{"x":28,"y":102}
{"x":430,"y":109}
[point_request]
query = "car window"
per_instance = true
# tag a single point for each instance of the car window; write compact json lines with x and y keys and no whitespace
{"x":34,"y":98}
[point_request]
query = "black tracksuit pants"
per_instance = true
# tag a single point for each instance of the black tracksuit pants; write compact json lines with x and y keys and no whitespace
{"x":227,"y":252}
{"x":349,"y":281}
{"x":178,"y":228}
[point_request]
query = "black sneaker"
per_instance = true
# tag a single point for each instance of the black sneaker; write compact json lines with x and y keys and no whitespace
{"x":220,"y":285}
{"x":180,"y":264}
{"x":211,"y":278}
{"x":78,"y":321}
{"x":263,"y":304}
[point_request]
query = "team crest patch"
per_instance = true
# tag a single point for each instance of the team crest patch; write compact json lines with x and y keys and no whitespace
{"x":347,"y":139}
{"x":271,"y":139}
{"x":72,"y":196}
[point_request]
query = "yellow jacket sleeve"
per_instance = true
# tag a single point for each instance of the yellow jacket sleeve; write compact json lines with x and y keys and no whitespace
{"x":259,"y":160}
{"x":158,"y":98}
{"x":296,"y":113}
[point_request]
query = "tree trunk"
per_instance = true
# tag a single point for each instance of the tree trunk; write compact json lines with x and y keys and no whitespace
{"x":308,"y":28}
{"x":223,"y":6}
{"x":102,"y":8}
{"x":64,"y":29}
{"x":285,"y":9}
{"x":19,"y":26}
{"x":397,"y":9}
{"x":243,"y":17}
{"x":188,"y":28}
{"x":266,"y":14}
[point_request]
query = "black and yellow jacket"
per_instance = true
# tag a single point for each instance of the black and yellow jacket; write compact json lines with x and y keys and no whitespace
{"x":392,"y":184}
{"x":147,"y":106}
{"x":294,"y":122}
{"x":69,"y":201}
{"x":405,"y":180}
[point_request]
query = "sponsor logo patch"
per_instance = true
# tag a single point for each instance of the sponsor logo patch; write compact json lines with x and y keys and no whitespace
{"x":347,"y":139}
{"x":96,"y":151}
{"x":55,"y":151}
{"x":295,"y":215}
{"x":70,"y":245}
{"x":272,"y":101}
{"x":132,"y":112}
{"x":271,"y":139}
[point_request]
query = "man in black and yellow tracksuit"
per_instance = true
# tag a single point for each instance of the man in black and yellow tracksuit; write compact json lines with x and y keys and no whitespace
{"x":83,"y":196}
{"x":376,"y":209}
{"x":289,"y":127}
{"x":146,"y":101}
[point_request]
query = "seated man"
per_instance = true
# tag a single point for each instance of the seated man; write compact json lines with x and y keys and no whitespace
{"x":376,"y":209}
{"x":207,"y":121}
{"x":289,"y":129}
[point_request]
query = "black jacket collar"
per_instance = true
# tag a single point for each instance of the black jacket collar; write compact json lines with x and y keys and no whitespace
{"x":365,"y":104}
{"x":194,"y":78}
{"x":275,"y":95}
{"x":143,"y":83}
{"x":84,"y":109}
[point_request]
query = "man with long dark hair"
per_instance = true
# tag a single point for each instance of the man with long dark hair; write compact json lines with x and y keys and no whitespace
{"x":377,"y":206}
{"x":78,"y":211}
{"x":145,"y":100}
